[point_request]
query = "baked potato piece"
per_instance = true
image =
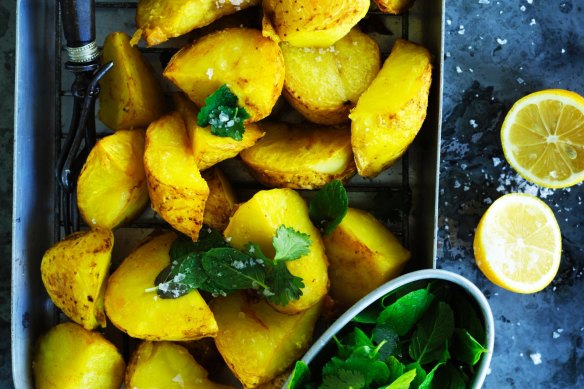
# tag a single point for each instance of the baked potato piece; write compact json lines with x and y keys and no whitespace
{"x":300,"y":156}
{"x":160,"y":20}
{"x":71,"y":357}
{"x":221,"y":201}
{"x":391,"y":111}
{"x":233,"y":56}
{"x":74,"y":272}
{"x":141,"y":313}
{"x":112,"y":189}
{"x":276,"y":383}
{"x":177,"y":191}
{"x":394,"y":6}
{"x":257,"y":221}
{"x":131,"y":96}
{"x":311,"y":23}
{"x":257,"y":342}
{"x":156,"y":365}
{"x":209,"y":149}
{"x":323,"y":84}
{"x":363,"y":254}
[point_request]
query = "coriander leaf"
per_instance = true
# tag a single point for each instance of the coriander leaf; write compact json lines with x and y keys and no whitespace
{"x":344,"y":379}
{"x":231,"y":269}
{"x":386,"y":333}
{"x":466,"y":348}
{"x":290,"y":244}
{"x":431,"y":334}
{"x":403,"y":381}
{"x":223,"y":114}
{"x":403,"y":314}
{"x":329,"y":206}
{"x":282,"y":286}
{"x":396,"y":368}
{"x":181,"y":276}
{"x":300,"y":376}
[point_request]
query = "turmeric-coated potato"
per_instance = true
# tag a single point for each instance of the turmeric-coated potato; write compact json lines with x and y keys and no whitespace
{"x":177,"y":191}
{"x":141,"y":313}
{"x":300,"y":156}
{"x":363,"y":254}
{"x":311,"y":23}
{"x":159,"y":20}
{"x":391,"y":111}
{"x":209,"y":149}
{"x":252,"y":67}
{"x":257,"y":342}
{"x":323,"y":84}
{"x":257,"y":221}
{"x":156,"y":365}
{"x":131,"y":96}
{"x":112,"y":189}
{"x":221,"y":200}
{"x":74,"y":272}
{"x":71,"y":357}
{"x":394,"y":6}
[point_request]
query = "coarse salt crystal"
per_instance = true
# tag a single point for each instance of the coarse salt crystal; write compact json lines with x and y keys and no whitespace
{"x":555,"y":335}
{"x":532,"y":22}
{"x":210,"y":73}
{"x":522,"y":8}
{"x":501,"y":41}
{"x":536,"y":358}
{"x":473,"y":123}
{"x":458,"y":69}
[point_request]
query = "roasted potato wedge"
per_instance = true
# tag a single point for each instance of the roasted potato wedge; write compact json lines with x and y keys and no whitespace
{"x":300,"y":156}
{"x":74,"y":272}
{"x":391,"y":111}
{"x":209,"y":149}
{"x":221,"y":201}
{"x":112,"y":189}
{"x":394,"y":6}
{"x":131,"y":96}
{"x":71,"y":357}
{"x":257,"y":221}
{"x":156,"y":365}
{"x":363,"y":254}
{"x":276,"y":383}
{"x":323,"y":84}
{"x":257,"y":342}
{"x":177,"y":191}
{"x":233,"y":57}
{"x":310,"y":23}
{"x":142,"y":314}
{"x":159,"y":20}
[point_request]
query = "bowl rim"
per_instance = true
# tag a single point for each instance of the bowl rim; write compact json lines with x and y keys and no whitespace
{"x":390,"y":286}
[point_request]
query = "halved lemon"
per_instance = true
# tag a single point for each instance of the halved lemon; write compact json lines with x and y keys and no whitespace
{"x":518,"y":244}
{"x":543,"y":138}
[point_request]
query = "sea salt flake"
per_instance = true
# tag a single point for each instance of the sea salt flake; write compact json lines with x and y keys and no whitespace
{"x":532,"y":22}
{"x":461,"y":29}
{"x":555,"y":335}
{"x":458,"y":69}
{"x":484,"y":2}
{"x":496,"y":161}
{"x":210,"y":73}
{"x":563,"y":51}
{"x":179,"y":380}
{"x":535,"y":358}
{"x":522,"y":8}
{"x":473,"y":123}
{"x":501,"y":41}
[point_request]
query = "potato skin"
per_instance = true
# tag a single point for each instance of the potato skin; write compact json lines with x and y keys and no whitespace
{"x":323,"y":84}
{"x":312,"y":23}
{"x":71,"y":357}
{"x":221,"y":200}
{"x":391,"y":111}
{"x":74,"y":272}
{"x":112,"y":189}
{"x":300,"y":156}
{"x":144,"y":315}
{"x":131,"y":96}
{"x":394,"y":7}
{"x":159,"y":20}
{"x":233,"y":57}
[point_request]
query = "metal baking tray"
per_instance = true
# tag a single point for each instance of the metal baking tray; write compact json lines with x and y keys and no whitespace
{"x":404,"y":197}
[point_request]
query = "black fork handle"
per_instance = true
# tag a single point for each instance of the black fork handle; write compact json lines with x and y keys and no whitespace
{"x":78,"y":21}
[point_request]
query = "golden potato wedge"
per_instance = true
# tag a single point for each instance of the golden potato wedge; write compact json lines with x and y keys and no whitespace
{"x":221,"y":201}
{"x":391,"y":111}
{"x":160,"y":20}
{"x":209,"y":149}
{"x":71,"y":357}
{"x":257,"y":342}
{"x":112,"y":189}
{"x":131,"y":96}
{"x":156,"y":365}
{"x":74,"y":272}
{"x":311,"y":23}
{"x":177,"y":191}
{"x":252,"y":67}
{"x":363,"y":254}
{"x":300,"y":156}
{"x":276,"y":383}
{"x":257,"y":221}
{"x":394,"y":6}
{"x":323,"y":84}
{"x":142,"y":314}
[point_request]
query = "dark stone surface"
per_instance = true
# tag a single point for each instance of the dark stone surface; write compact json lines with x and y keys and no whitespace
{"x":495,"y":53}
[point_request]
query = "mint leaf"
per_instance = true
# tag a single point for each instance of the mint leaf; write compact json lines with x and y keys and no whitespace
{"x":255,"y":251}
{"x":386,"y":333}
{"x":223,"y":114}
{"x":180,"y":277}
{"x":449,"y":377}
{"x":231,"y":270}
{"x":427,"y":382}
{"x":465,"y":316}
{"x":431,"y":334}
{"x":329,"y":206}
{"x":403,"y":314}
{"x":367,"y":316}
{"x":344,"y":379}
{"x":396,"y":368}
{"x":290,"y":244}
{"x":466,"y":348}
{"x":300,"y":376}
{"x":208,"y":239}
{"x":403,"y":381}
{"x":420,"y":374}
{"x":283,"y":286}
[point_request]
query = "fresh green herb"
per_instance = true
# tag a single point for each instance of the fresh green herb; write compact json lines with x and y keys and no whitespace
{"x":329,"y":206}
{"x":431,"y":334}
{"x":181,"y":276}
{"x":403,"y":381}
{"x":344,"y":379}
{"x":222,"y":113}
{"x":406,"y":311}
{"x":283,"y":285}
{"x":300,"y":376}
{"x":290,"y":244}
{"x":233,"y":270}
{"x":466,"y":348}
